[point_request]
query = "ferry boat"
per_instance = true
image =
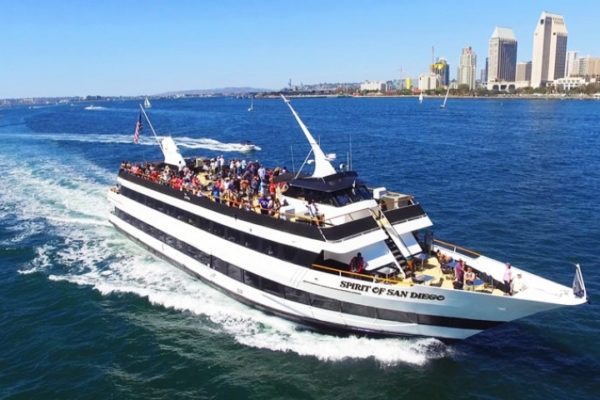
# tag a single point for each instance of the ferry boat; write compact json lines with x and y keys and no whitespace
{"x":288,"y":244}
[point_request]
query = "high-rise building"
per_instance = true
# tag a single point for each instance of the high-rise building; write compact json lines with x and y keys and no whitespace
{"x":523,"y":71}
{"x":441,"y":68}
{"x":549,"y":49}
{"x":570,"y":63}
{"x":502,"y":56}
{"x":484,"y":72}
{"x":467,"y":68}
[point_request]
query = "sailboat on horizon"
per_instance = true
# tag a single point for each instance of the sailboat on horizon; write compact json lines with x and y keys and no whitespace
{"x":251,"y":104}
{"x":445,"y":98}
{"x":147,"y":103}
{"x":421,"y":98}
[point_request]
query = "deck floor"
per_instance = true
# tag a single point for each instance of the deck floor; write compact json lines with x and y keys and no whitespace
{"x":432,"y":267}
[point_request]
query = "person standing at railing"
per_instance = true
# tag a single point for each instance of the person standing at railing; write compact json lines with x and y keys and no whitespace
{"x":357,"y":264}
{"x":459,"y":273}
{"x":507,"y":278}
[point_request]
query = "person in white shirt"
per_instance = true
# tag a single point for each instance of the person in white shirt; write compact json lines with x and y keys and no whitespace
{"x":518,"y":285}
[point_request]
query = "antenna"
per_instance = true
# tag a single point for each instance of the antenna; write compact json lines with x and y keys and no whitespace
{"x":350,"y":154}
{"x":293,"y":163}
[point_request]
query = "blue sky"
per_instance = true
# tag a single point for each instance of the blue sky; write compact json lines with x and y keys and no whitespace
{"x":121,"y":47}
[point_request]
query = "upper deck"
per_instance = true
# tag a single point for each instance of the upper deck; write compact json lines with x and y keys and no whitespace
{"x":243,"y":193}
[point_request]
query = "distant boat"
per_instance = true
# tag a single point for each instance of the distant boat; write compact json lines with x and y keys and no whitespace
{"x":147,"y":103}
{"x":251,"y":104}
{"x":445,"y":98}
{"x":421,"y":98}
{"x":92,"y":107}
{"x":247,"y":146}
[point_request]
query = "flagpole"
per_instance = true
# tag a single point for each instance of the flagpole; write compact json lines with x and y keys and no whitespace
{"x":151,"y":128}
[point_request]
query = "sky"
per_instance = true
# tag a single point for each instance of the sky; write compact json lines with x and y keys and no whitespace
{"x":136,"y":47}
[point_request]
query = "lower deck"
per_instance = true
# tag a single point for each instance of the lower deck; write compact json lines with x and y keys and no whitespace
{"x":427,"y":271}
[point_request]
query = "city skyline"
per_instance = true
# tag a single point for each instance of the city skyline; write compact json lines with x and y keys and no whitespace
{"x":62,"y":48}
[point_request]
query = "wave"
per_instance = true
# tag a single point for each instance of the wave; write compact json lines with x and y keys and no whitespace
{"x":95,"y":108}
{"x":81,"y":248}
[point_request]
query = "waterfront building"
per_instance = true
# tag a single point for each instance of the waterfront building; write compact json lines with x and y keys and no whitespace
{"x":467,"y":68}
{"x":502,"y":56}
{"x":373,"y":86}
{"x":570,"y":63}
{"x":569,"y":83}
{"x":549,"y":49}
{"x":523,"y":71}
{"x":441,"y":68}
{"x":587,"y":66}
{"x":429,"y":82}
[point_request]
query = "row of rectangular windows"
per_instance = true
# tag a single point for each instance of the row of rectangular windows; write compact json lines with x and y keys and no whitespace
{"x":265,"y":284}
{"x":274,"y":249}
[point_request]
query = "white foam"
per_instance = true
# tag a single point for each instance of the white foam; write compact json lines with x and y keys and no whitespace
{"x":145,"y":140}
{"x":68,"y":196}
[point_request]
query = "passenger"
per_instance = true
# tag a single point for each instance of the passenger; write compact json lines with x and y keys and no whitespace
{"x":357,"y":264}
{"x":459,"y":273}
{"x":518,"y":285}
{"x":469,"y":279}
{"x":264,"y":204}
{"x":507,"y":278}
{"x":439,"y":256}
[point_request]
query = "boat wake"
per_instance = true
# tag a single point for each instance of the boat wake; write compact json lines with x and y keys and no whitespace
{"x":182,"y":141}
{"x":95,"y":108}
{"x":70,"y":208}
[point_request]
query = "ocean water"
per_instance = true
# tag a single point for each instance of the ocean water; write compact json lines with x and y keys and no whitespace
{"x":85,"y":313}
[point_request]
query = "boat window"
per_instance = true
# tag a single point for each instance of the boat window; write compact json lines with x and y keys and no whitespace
{"x":251,"y":279}
{"x":400,"y":316}
{"x":220,"y":265}
{"x":324,"y":302}
{"x":235,"y":273}
{"x":272,"y":287}
{"x":342,"y":199}
{"x":296,"y":295}
{"x":358,"y":309}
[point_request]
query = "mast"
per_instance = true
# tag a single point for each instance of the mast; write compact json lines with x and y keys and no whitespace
{"x":167,"y":146}
{"x":322,"y":166}
{"x":152,"y":128}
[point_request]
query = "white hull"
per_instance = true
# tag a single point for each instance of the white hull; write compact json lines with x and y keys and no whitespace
{"x":461,"y":313}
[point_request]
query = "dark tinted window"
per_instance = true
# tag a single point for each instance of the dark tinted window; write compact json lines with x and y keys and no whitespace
{"x":235,"y":273}
{"x":272,"y":287}
{"x":358,"y":309}
{"x":251,"y":279}
{"x":324,"y":302}
{"x":296,"y":295}
{"x":220,"y":265}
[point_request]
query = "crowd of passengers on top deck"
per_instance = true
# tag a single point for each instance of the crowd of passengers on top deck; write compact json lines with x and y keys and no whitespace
{"x":238,"y":183}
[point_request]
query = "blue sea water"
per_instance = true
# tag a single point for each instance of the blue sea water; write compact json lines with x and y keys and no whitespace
{"x":85,"y":313}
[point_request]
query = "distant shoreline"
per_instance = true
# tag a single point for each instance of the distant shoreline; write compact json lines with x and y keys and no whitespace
{"x":495,"y":97}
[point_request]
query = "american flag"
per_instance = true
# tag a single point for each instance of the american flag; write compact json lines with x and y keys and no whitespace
{"x":138,"y":129}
